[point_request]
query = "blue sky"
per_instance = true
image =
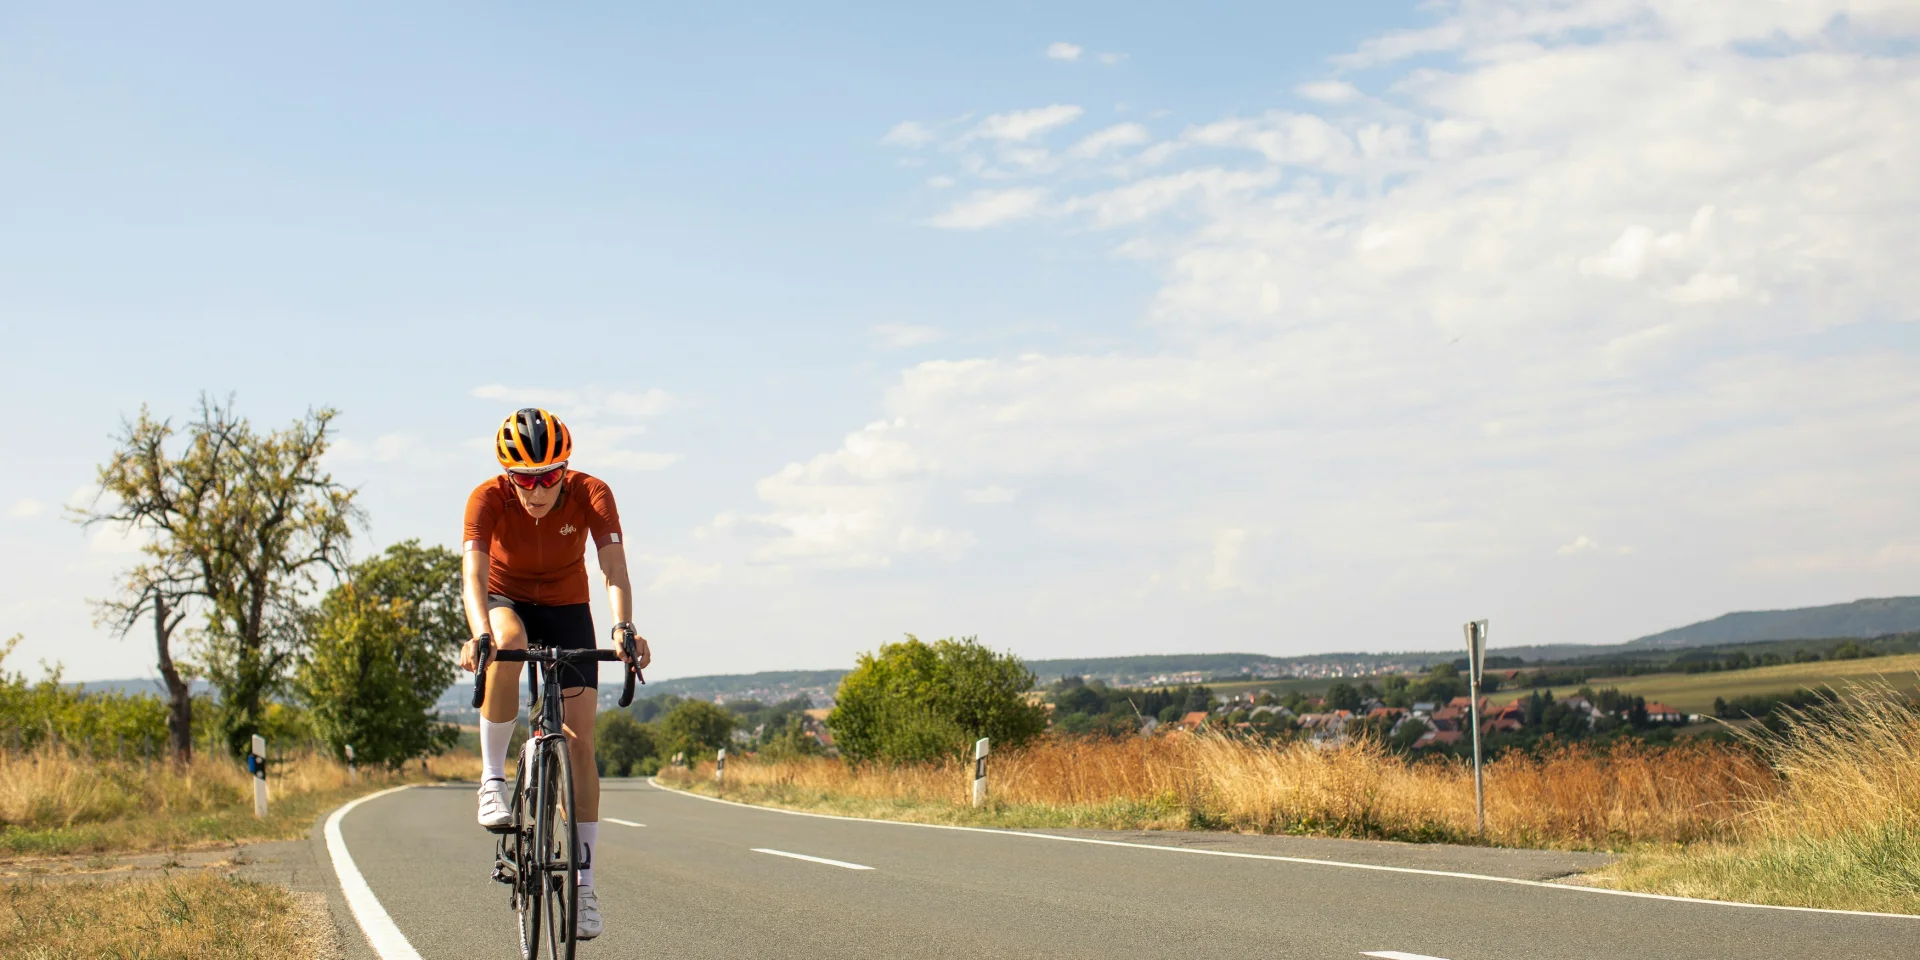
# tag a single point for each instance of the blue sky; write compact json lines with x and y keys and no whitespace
{"x":1281,"y":328}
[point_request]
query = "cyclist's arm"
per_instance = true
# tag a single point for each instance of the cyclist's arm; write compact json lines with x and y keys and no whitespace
{"x":613,"y":566}
{"x":475,"y":566}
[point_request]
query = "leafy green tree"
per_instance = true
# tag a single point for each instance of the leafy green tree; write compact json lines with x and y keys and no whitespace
{"x":695,"y":727}
{"x":623,"y":746}
{"x":370,"y":677}
{"x":242,"y":521}
{"x":792,"y":741}
{"x":914,"y":702}
{"x":1342,"y":696}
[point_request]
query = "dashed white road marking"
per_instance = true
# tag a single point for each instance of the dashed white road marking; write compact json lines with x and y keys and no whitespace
{"x":382,"y":934}
{"x":624,"y":823}
{"x":1341,"y":864}
{"x":801,"y":856}
{"x":1397,"y":955}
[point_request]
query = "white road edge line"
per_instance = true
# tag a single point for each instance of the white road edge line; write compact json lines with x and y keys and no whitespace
{"x":1397,"y":955}
{"x":1569,"y":888}
{"x":385,"y":938}
{"x":802,"y":856}
{"x":624,"y":823}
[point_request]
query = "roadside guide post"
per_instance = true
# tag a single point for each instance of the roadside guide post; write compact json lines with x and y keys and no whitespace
{"x":353,"y":775}
{"x":720,"y":767}
{"x":257,"y":765}
{"x":1476,"y":660}
{"x":980,"y":772}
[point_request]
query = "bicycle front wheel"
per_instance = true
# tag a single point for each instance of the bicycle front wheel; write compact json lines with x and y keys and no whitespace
{"x":558,"y":848}
{"x":529,"y":886}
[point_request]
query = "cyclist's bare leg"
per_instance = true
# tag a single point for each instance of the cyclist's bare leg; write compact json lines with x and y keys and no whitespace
{"x":502,"y":704}
{"x":578,"y":709}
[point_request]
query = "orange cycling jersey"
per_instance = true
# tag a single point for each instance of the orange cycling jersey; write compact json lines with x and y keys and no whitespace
{"x":541,"y":561}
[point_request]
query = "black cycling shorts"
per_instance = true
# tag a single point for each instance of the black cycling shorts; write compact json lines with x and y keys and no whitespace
{"x":568,"y":626}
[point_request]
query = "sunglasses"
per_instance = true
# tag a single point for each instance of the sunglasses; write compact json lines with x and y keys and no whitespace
{"x":529,"y":481}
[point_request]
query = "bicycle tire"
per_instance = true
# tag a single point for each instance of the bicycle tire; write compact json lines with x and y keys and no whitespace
{"x":528,"y":898}
{"x":559,"y":850}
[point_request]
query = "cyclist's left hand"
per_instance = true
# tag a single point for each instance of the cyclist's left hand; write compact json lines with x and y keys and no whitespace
{"x":644,"y":655}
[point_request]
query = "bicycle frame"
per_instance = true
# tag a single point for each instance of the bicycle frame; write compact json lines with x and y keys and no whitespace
{"x":521,"y":858}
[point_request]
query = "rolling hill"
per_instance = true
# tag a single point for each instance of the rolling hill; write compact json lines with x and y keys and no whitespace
{"x":1861,"y":618}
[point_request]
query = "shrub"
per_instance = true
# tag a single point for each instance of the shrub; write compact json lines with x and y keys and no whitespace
{"x":915,"y":702}
{"x":622,"y":746}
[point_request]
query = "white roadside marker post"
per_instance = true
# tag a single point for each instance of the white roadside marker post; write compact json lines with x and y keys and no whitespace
{"x":257,"y":765}
{"x":980,"y":773}
{"x":1476,"y":661}
{"x":720,"y":766}
{"x":353,"y":774}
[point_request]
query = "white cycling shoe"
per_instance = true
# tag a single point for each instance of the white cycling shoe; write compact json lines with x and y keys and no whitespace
{"x":495,"y":811}
{"x":587,"y":925}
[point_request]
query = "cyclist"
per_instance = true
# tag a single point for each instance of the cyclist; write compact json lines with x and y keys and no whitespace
{"x":524,"y":579}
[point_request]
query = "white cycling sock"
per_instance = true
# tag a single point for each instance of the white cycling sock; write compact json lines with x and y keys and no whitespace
{"x":589,"y":835}
{"x":493,"y":748}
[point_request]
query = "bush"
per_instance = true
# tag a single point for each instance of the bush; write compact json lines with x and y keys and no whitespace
{"x":622,"y":746}
{"x":98,"y":723}
{"x":916,"y":702}
{"x":370,"y":679}
{"x":696,"y":728}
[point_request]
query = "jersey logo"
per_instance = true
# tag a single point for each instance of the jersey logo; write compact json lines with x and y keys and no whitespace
{"x":567,"y":531}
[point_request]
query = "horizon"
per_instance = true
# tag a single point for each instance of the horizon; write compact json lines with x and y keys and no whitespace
{"x":1089,"y":331}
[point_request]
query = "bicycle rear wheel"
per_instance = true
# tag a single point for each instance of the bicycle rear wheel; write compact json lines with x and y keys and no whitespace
{"x":529,"y":879}
{"x":558,"y":849}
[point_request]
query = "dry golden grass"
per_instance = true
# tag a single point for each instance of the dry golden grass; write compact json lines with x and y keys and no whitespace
{"x":1573,"y":797}
{"x":1842,"y":830}
{"x":54,"y":802}
{"x":193,"y":915}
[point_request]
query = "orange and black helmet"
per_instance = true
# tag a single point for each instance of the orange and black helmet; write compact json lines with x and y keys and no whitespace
{"x":532,"y":440}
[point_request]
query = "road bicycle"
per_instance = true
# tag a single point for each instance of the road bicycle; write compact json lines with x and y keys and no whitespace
{"x":538,"y":850}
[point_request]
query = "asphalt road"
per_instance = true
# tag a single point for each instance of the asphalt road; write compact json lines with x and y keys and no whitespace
{"x":698,"y":881}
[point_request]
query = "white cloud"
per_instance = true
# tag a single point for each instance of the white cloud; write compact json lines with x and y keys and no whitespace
{"x":1603,"y":265}
{"x":1329,"y":91}
{"x":1114,"y":137}
{"x":908,"y":133}
{"x":23,"y":509}
{"x":853,"y":507}
{"x":1024,"y":125}
{"x":896,"y":336}
{"x":1579,"y":544}
{"x":990,"y":495}
{"x":677,"y":572}
{"x":940,"y":182}
{"x":1113,"y":59}
{"x":991,"y":208}
{"x":1063,"y":51}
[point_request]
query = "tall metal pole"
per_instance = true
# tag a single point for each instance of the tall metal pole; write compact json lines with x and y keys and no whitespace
{"x":1476,"y":658}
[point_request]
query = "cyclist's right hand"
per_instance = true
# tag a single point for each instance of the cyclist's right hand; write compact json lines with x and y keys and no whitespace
{"x":470,"y":655}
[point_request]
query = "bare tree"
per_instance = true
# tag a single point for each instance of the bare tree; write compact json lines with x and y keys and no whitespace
{"x":161,"y":592}
{"x":244,"y":522}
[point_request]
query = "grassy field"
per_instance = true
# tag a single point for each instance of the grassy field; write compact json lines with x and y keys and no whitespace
{"x":1694,"y":693}
{"x":1689,"y":693}
{"x":53,"y":803}
{"x":1574,"y":797}
{"x":189,"y":915}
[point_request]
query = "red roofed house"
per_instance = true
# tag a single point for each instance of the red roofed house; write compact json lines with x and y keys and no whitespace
{"x":1661,"y":713}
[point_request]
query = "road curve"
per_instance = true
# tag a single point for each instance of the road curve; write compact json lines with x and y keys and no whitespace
{"x":687,"y":877}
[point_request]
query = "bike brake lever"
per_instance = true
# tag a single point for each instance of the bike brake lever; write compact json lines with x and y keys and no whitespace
{"x":483,"y":652}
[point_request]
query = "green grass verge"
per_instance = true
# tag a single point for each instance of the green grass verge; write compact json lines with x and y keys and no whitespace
{"x":1877,"y":871}
{"x":287,"y":818}
{"x":193,"y":915}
